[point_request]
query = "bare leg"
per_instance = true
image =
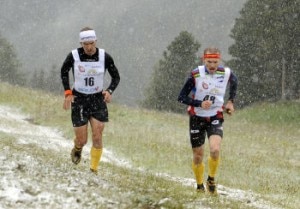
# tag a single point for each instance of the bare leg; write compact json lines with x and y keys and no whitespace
{"x":198,"y":153}
{"x":81,"y":136}
{"x":214,"y":146}
{"x":97,"y":131}
{"x":79,"y":141}
{"x":213,"y":162}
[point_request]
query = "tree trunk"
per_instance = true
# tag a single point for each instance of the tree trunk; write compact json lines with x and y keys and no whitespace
{"x":283,"y":90}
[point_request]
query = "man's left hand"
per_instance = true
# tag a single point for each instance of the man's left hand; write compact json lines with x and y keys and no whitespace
{"x":107,"y":96}
{"x":229,"y":107}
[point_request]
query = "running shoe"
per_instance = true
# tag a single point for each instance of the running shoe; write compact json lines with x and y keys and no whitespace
{"x":211,"y":185}
{"x":76,"y":155}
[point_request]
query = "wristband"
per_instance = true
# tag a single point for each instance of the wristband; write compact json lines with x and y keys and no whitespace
{"x":109,"y":91}
{"x":68,"y":92}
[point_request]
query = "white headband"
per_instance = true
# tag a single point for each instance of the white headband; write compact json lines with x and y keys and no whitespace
{"x":88,"y":35}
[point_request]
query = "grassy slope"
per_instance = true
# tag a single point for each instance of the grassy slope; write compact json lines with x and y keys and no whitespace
{"x":260,"y":151}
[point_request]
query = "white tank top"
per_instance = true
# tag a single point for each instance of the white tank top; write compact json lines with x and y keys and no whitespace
{"x":211,"y":87}
{"x":88,"y":76}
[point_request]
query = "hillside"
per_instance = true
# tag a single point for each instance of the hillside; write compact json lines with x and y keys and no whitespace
{"x":147,"y":157}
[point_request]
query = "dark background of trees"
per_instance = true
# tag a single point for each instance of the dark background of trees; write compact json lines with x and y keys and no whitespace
{"x":9,"y":64}
{"x":11,"y":72}
{"x":265,"y":57}
{"x":134,"y":32}
{"x":266,"y":52}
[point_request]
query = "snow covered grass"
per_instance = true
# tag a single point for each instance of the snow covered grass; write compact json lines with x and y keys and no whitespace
{"x":260,"y":151}
{"x":147,"y":158}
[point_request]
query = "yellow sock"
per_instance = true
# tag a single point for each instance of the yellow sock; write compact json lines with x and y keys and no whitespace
{"x":198,"y":172}
{"x":95,"y":157}
{"x":213,"y":166}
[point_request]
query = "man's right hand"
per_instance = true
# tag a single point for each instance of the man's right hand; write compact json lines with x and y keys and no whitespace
{"x":67,"y":103}
{"x":206,"y":104}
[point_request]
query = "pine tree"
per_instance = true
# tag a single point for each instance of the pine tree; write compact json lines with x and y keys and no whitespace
{"x":170,"y":73}
{"x":9,"y":67}
{"x":266,"y":55}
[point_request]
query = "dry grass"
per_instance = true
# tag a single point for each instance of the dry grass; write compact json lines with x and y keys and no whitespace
{"x":260,"y":150}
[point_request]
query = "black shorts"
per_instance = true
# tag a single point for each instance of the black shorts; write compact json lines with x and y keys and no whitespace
{"x":201,"y":126}
{"x":86,"y":106}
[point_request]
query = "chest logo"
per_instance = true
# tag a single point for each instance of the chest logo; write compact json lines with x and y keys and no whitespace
{"x":204,"y":85}
{"x":81,"y":68}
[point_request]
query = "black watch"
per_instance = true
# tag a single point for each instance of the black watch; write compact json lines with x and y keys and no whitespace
{"x":109,"y":91}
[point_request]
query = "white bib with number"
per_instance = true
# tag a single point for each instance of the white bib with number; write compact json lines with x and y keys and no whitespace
{"x":88,"y":76}
{"x":211,"y":87}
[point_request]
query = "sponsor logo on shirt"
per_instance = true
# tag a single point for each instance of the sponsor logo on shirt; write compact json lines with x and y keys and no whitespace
{"x":204,"y":85}
{"x":81,"y":68}
{"x":214,"y":91}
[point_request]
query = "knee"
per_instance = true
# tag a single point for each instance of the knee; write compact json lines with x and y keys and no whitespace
{"x":198,"y":155}
{"x":97,"y":135}
{"x":214,"y":153}
{"x":97,"y":139}
{"x":80,"y":142}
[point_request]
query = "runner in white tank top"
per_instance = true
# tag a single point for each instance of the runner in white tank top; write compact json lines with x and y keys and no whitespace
{"x":87,"y":97}
{"x":207,"y":86}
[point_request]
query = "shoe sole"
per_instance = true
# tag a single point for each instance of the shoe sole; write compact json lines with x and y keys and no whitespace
{"x":94,"y":171}
{"x":76,"y":161}
{"x":211,"y":191}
